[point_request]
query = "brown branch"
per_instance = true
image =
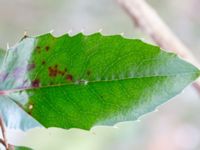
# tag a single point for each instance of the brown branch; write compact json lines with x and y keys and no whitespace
{"x":3,"y":130}
{"x":2,"y":142}
{"x":11,"y":147}
{"x":146,"y":18}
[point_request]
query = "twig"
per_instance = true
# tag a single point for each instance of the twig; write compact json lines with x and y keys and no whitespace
{"x":11,"y":147}
{"x":3,"y":130}
{"x":146,"y":18}
{"x":2,"y":142}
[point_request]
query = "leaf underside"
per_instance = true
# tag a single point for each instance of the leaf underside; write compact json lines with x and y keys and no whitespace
{"x":85,"y":80}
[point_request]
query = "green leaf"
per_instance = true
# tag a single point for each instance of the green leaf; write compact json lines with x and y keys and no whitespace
{"x":21,"y":148}
{"x":13,"y":115}
{"x":82,"y":81}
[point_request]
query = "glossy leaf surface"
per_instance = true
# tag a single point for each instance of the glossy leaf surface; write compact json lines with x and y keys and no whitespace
{"x":82,"y":81}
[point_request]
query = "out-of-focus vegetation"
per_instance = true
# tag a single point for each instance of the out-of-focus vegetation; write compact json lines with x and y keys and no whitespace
{"x":176,"y":126}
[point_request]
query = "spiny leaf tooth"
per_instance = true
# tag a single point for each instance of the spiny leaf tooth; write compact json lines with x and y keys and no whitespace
{"x":100,"y":30}
{"x":51,"y":31}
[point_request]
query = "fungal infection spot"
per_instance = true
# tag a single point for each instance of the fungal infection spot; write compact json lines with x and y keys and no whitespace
{"x":55,"y":71}
{"x":38,"y":47}
{"x":47,"y":48}
{"x":69,"y":77}
{"x":43,"y":62}
{"x":35,"y":83}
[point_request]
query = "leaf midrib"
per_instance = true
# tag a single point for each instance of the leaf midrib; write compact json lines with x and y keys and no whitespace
{"x":70,"y":84}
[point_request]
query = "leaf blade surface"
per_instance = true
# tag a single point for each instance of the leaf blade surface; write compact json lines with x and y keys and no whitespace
{"x":82,"y":81}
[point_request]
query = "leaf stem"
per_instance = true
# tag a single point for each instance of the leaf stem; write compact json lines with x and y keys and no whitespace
{"x":3,"y":130}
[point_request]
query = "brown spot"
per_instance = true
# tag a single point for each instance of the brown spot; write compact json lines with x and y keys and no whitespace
{"x":53,"y":72}
{"x":69,"y":77}
{"x":35,"y":83}
{"x":30,"y":67}
{"x":47,"y":48}
{"x":38,"y":47}
{"x":61,"y":72}
{"x":43,"y":62}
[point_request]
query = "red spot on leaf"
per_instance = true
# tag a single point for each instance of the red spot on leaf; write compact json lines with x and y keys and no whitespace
{"x":69,"y":77}
{"x":35,"y":83}
{"x":53,"y":71}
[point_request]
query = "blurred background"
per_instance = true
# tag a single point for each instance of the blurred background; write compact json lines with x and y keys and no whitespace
{"x":174,"y":126}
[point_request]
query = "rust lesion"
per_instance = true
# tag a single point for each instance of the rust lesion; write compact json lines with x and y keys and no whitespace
{"x":47,"y":48}
{"x":38,"y":49}
{"x":54,"y":71}
{"x":43,"y":62}
{"x":35,"y":83}
{"x":69,"y":77}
